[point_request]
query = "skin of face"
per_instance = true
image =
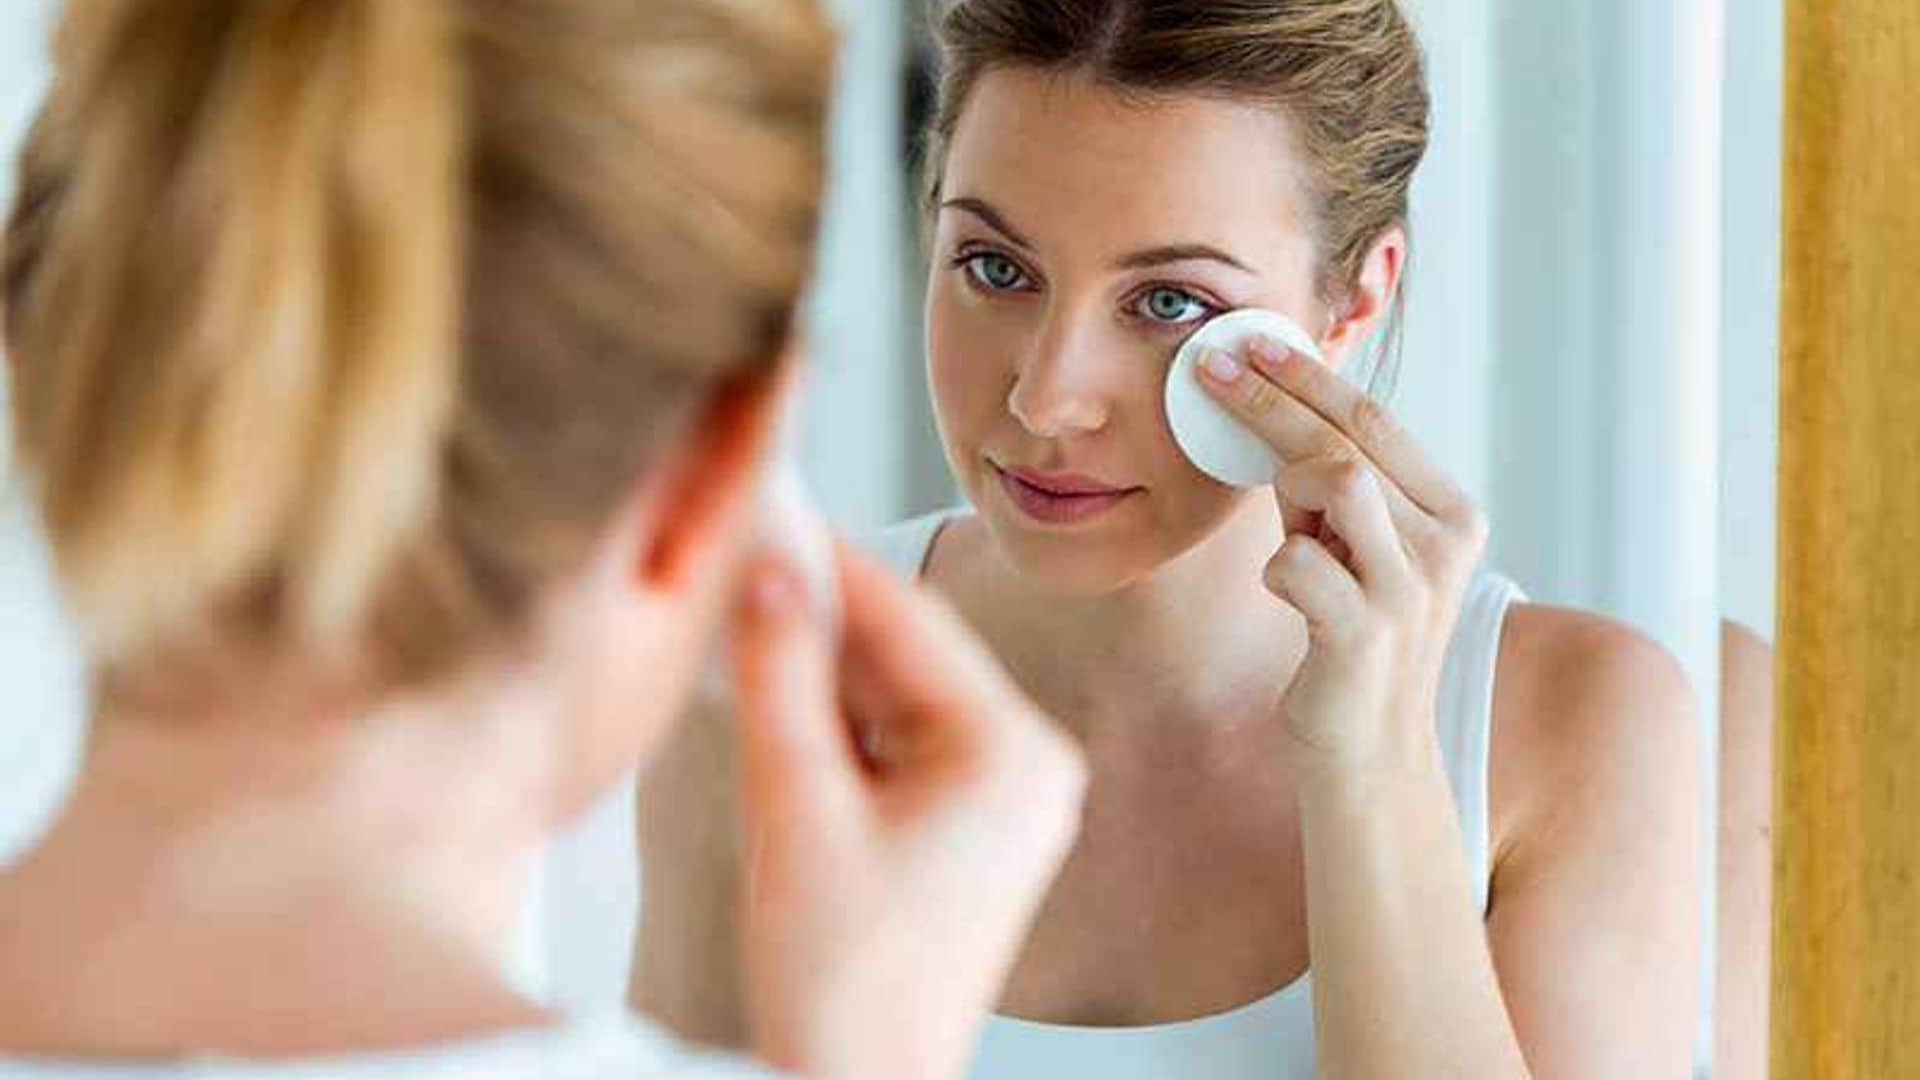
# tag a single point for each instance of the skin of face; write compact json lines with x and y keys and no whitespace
{"x":1079,"y":237}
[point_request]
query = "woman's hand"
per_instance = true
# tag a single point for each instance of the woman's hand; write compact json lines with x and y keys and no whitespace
{"x":1380,"y":545}
{"x":887,"y":889}
{"x":1379,"y":548}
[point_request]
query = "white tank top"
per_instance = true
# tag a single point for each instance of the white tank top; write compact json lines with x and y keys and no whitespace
{"x":1272,"y":1038}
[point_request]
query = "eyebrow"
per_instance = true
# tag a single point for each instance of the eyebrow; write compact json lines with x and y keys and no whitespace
{"x":1139,"y":260}
{"x":1174,"y":253}
{"x":980,"y":209}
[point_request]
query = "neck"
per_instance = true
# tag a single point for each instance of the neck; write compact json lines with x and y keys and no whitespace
{"x":281,"y":885}
{"x":1195,"y":644}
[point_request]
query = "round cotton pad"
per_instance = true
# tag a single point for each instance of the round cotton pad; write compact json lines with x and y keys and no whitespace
{"x":1206,"y":432}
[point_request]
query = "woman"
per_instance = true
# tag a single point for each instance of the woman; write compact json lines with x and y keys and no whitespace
{"x":394,"y":380}
{"x":1288,"y":698}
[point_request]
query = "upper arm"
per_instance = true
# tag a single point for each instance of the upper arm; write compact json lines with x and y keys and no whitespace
{"x":1745,"y":856}
{"x":1597,"y":885}
{"x":685,"y":971}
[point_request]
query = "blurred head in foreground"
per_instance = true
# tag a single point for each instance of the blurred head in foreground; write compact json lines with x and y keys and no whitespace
{"x":374,"y":356}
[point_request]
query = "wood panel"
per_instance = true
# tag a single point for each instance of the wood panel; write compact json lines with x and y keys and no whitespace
{"x":1846,"y":970}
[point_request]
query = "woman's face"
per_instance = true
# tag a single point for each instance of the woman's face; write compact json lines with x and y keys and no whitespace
{"x":1081,"y":237}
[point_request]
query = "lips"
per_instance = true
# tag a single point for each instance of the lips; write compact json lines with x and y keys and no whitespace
{"x":1060,"y":498}
{"x":1064,"y":483}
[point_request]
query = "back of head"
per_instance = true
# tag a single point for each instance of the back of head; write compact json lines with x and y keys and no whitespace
{"x":344,"y":325}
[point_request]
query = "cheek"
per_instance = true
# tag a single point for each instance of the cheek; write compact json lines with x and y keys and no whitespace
{"x":1187,"y":499}
{"x":1156,"y":433}
{"x":970,"y":358}
{"x":1186,"y":495}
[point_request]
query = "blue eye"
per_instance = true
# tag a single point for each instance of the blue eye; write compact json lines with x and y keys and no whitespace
{"x":995,"y":272}
{"x":1171,"y":306}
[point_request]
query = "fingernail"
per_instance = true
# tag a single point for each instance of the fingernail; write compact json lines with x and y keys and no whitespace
{"x":1222,"y":365}
{"x":1268,"y":354}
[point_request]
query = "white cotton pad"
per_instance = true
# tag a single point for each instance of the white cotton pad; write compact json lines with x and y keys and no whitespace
{"x":790,"y":520}
{"x":1207,"y":433}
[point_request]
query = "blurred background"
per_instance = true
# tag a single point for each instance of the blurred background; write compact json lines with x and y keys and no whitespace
{"x":1591,"y":349}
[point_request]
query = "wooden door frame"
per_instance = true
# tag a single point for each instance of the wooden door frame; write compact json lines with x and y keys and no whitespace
{"x":1846,"y":950}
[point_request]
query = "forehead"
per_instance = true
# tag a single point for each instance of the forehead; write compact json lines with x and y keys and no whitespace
{"x":1069,"y":160}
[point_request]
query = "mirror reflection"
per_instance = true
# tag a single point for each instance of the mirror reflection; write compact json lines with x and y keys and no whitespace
{"x":1519,"y":281}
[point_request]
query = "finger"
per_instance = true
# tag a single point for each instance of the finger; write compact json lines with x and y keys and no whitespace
{"x":1293,"y":431}
{"x":1362,"y":422}
{"x":914,"y":660}
{"x":1305,"y":575}
{"x":1356,"y":506}
{"x":1311,"y":480}
{"x":796,"y":757}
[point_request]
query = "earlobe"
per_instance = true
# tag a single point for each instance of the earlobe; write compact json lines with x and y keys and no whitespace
{"x":703,"y":492}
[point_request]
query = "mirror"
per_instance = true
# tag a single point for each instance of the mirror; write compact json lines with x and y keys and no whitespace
{"x":1577,"y":330}
{"x":1588,"y":348}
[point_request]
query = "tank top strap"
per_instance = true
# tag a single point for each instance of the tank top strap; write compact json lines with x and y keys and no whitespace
{"x":1463,"y":715}
{"x":905,"y":546}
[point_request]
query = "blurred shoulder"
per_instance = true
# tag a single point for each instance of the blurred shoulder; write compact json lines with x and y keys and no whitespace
{"x":1746,"y":670}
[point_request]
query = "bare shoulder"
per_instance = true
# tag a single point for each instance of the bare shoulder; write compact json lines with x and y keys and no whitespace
{"x":1590,"y":715}
{"x":1746,"y":729}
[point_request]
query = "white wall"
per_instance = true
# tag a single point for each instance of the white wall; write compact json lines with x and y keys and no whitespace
{"x":1548,"y":462}
{"x":40,"y":732}
{"x":854,"y":442}
{"x":1444,"y":394}
{"x":23,"y":65}
{"x":1750,"y":332}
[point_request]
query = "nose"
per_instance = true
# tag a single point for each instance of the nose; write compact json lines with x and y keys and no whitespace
{"x":1061,"y":389}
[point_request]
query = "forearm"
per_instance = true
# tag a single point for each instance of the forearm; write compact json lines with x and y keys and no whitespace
{"x":1404,"y":983}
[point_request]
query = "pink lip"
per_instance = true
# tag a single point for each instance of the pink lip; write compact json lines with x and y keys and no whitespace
{"x":1064,"y":483}
{"x":1048,"y":498}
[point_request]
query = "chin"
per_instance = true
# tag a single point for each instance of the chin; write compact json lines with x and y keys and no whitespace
{"x":1087,"y":560}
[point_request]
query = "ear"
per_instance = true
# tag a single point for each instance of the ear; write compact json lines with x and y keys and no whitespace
{"x":703,"y":494}
{"x":1372,"y":299}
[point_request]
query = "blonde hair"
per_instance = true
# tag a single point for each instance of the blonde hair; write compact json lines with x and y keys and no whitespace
{"x":1348,"y":73}
{"x":348,"y":322}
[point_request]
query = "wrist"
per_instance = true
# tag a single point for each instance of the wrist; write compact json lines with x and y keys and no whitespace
{"x":1363,"y":775}
{"x":905,"y":1033}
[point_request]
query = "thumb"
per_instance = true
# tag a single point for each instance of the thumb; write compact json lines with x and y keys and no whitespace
{"x":797,"y":757}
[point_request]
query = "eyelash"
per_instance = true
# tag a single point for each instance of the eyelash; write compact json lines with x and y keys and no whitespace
{"x":968,"y":259}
